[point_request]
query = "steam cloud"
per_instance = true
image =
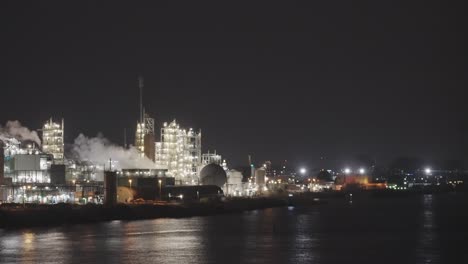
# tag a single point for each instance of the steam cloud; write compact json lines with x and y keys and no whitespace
{"x":16,"y":130}
{"x":99,"y":150}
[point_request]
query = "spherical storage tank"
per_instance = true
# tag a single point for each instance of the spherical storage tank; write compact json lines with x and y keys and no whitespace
{"x":213,"y":174}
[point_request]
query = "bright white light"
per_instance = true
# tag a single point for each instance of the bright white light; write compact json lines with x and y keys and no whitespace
{"x":428,"y":170}
{"x":347,"y":170}
{"x":362,"y":171}
{"x":302,"y":170}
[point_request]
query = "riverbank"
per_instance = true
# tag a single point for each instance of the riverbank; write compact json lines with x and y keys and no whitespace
{"x":61,"y":214}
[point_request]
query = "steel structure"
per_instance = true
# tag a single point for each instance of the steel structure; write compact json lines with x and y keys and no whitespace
{"x":144,"y":136}
{"x":52,"y":140}
{"x":180,"y":152}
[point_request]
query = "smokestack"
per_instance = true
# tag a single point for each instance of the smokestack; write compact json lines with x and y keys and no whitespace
{"x":140,"y":85}
{"x":125,"y":138}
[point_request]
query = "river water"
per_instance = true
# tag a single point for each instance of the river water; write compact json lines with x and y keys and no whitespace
{"x":419,"y":229}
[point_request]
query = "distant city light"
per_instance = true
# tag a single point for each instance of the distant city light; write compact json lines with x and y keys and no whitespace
{"x":303,"y":171}
{"x":428,"y":170}
{"x":347,"y":170}
{"x":362,"y":171}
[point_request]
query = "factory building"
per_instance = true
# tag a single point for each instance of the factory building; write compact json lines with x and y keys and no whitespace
{"x":180,"y":152}
{"x":209,"y":158}
{"x":145,"y":138}
{"x":143,"y":173}
{"x":192,"y":193}
{"x":28,"y":174}
{"x":213,"y":158}
{"x":29,"y":168}
{"x":33,"y":178}
{"x":52,"y":137}
{"x":144,"y":135}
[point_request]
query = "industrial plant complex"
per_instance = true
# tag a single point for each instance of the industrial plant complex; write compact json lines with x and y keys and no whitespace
{"x":35,"y":168}
{"x":165,"y":163}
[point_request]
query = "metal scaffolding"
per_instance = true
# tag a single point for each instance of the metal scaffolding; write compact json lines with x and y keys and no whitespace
{"x":180,"y":152}
{"x":52,"y":137}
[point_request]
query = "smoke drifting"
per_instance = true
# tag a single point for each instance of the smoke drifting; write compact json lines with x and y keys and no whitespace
{"x":99,"y":150}
{"x":16,"y":130}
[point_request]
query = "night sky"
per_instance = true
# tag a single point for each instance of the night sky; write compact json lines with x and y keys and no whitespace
{"x":278,"y":80}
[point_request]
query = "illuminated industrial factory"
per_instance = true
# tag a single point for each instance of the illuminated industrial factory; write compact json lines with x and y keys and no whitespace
{"x":29,"y":174}
{"x":52,"y":140}
{"x":35,"y":171}
{"x":93,"y":170}
{"x":180,"y":152}
{"x":144,"y":135}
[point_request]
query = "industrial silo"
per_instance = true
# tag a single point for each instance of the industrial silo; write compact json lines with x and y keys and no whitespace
{"x":110,"y":188}
{"x":260,"y":176}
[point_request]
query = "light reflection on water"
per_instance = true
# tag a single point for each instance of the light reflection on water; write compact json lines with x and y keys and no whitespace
{"x":427,"y":250}
{"x":384,"y":231}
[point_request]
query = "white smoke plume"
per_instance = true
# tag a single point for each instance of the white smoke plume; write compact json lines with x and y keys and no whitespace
{"x":99,"y":150}
{"x":16,"y":130}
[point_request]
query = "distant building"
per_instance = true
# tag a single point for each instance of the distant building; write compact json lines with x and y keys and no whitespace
{"x":357,"y":181}
{"x":268,"y":169}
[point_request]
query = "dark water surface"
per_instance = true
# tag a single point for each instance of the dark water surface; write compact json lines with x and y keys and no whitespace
{"x":418,"y":229}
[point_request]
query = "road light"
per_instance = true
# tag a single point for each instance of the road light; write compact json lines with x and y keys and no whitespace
{"x":160,"y":184}
{"x":303,"y":171}
{"x":347,"y":170}
{"x":74,"y":190}
{"x":130,"y":182}
{"x":428,"y":170}
{"x":362,"y":171}
{"x":74,"y":185}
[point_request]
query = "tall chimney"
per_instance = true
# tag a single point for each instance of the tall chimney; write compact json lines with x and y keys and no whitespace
{"x":140,"y":85}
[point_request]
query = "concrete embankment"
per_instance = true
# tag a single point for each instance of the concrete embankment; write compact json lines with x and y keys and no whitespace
{"x":60,"y":214}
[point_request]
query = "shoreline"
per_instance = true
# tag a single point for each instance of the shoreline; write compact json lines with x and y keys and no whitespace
{"x":68,"y":214}
{"x":42,"y":215}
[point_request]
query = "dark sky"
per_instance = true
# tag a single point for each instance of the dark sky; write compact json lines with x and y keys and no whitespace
{"x":278,"y":80}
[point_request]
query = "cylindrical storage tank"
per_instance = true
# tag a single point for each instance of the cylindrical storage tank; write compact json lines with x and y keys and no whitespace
{"x":235,"y":177}
{"x":110,"y":188}
{"x":260,"y":176}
